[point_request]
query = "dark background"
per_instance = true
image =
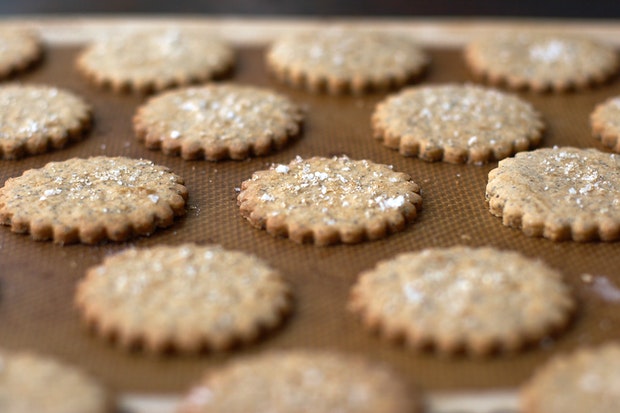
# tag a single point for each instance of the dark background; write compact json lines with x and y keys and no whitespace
{"x":388,"y":8}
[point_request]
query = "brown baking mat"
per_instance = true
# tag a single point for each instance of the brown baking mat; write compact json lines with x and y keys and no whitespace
{"x":37,"y":279}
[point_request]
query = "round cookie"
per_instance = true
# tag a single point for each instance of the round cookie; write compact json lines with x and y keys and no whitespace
{"x":462,"y":299}
{"x":558,"y":193}
{"x":32,"y":383}
{"x":541,"y":62}
{"x":584,"y":381}
{"x":339,"y":61}
{"x":329,"y":200}
{"x":456,"y":123}
{"x":187,"y":298}
{"x":300,"y":381}
{"x":217,"y":122}
{"x":19,"y":50}
{"x":36,"y":118}
{"x":152,"y":60}
{"x":605,"y":123}
{"x":90,"y":200}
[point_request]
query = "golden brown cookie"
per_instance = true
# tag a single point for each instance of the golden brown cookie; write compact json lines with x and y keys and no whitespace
{"x":217,"y":122}
{"x":330,"y":200}
{"x":340,"y":61}
{"x":19,"y":50}
{"x":300,"y":381}
{"x":152,"y":60}
{"x":558,"y":193}
{"x":584,"y":381}
{"x":456,"y":123}
{"x":186,"y":298}
{"x":32,"y":383}
{"x":90,"y":200}
{"x":541,"y":62}
{"x":37,"y":118}
{"x":462,"y":299}
{"x":605,"y":123}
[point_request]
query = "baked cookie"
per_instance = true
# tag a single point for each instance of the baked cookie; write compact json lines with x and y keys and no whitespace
{"x":19,"y":50}
{"x":36,"y":118}
{"x":584,"y":381}
{"x":558,"y":193}
{"x":89,"y":200}
{"x":456,"y":123}
{"x":339,"y":61}
{"x":32,"y":383}
{"x":330,"y":200}
{"x":152,"y":60}
{"x":541,"y":62}
{"x":217,"y":122}
{"x":300,"y":381}
{"x":462,"y":299}
{"x":605,"y":123}
{"x":187,"y":298}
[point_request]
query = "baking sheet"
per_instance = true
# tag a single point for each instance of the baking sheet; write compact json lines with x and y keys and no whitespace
{"x":37,"y":279}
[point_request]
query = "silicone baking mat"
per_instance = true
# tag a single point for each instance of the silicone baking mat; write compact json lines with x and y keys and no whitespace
{"x":37,"y":279}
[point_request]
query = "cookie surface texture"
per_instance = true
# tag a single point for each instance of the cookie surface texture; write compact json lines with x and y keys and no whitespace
{"x":605,"y":123}
{"x":461,"y":299}
{"x":36,"y":118}
{"x":541,"y":62}
{"x":558,"y":193}
{"x":339,"y":61}
{"x":330,"y":200}
{"x":19,"y":50}
{"x":94,"y":199}
{"x":152,"y":60}
{"x":186,"y":298}
{"x":584,"y":381}
{"x":298,"y":382}
{"x":32,"y":383}
{"x":456,"y":123}
{"x":217,"y":122}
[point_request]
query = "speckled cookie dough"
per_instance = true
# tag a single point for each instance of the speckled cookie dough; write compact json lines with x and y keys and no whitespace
{"x":36,"y":118}
{"x":186,"y":298}
{"x":152,"y":60}
{"x":605,"y":123}
{"x":456,"y":123}
{"x":32,"y":383}
{"x":90,"y":200}
{"x":541,"y":62}
{"x":301,"y":381}
{"x":330,"y":200}
{"x":19,"y":50}
{"x":558,"y":193}
{"x":339,"y":61}
{"x":218,"y":122}
{"x":462,"y":299}
{"x":584,"y":381}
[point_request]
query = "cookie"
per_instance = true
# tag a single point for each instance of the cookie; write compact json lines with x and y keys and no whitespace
{"x":340,"y":61}
{"x":33,"y":383}
{"x":584,"y":381}
{"x":19,"y":50}
{"x":462,"y":299}
{"x":152,"y":60}
{"x":90,"y":200}
{"x":329,"y":200}
{"x":541,"y":62}
{"x":558,"y":193}
{"x":37,"y":118}
{"x":456,"y":123}
{"x":217,"y":122}
{"x":299,"y":381}
{"x":605,"y":123}
{"x":187,"y":298}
